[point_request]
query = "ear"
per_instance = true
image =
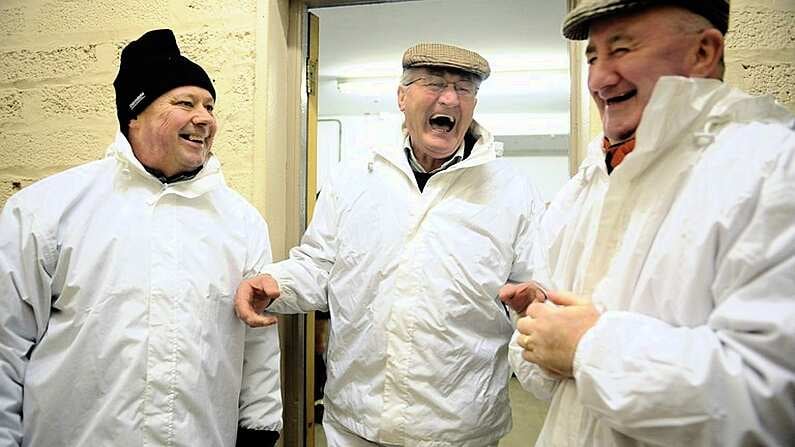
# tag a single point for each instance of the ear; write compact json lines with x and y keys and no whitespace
{"x":401,"y":97}
{"x":708,"y":58}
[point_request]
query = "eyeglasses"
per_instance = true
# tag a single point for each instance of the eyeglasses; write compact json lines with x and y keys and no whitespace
{"x":437,"y":84}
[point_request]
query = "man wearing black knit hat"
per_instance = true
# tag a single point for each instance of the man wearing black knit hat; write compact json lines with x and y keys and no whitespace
{"x":117,"y":277}
{"x":672,"y":250}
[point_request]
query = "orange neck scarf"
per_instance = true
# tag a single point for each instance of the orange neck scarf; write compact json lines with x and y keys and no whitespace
{"x":614,"y":154}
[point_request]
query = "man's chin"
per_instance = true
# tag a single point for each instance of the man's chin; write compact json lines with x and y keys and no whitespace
{"x":442,"y":153}
{"x":444,"y":145}
{"x":615,"y":136}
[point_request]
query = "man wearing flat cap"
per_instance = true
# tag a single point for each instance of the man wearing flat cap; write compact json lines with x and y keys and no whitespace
{"x":672,"y":250}
{"x":407,"y":249}
{"x":116,"y":283}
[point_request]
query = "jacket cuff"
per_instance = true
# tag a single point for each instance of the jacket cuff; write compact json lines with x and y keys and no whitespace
{"x":250,"y":437}
{"x":585,"y":345}
{"x":286,"y":303}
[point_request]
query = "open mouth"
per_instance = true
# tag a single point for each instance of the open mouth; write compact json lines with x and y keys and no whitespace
{"x":621,"y":98}
{"x":442,"y":123}
{"x":192,"y":138}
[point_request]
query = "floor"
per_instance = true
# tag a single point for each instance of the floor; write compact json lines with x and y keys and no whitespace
{"x":528,"y":417}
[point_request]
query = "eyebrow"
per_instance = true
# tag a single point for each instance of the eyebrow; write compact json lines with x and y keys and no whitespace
{"x":612,"y":40}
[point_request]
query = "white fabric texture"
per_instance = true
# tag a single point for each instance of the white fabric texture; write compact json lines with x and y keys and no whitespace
{"x":116,"y":317}
{"x":418,"y":340}
{"x":688,"y":249}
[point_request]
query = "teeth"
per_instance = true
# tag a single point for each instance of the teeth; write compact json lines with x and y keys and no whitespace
{"x":442,"y":123}
{"x":194,"y":138}
{"x":439,"y":115}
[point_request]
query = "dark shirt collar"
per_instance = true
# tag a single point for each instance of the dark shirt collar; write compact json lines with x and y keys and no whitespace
{"x":174,"y":178}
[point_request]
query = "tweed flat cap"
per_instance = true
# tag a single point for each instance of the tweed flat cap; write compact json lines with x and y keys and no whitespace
{"x":577,"y":22}
{"x":447,"y":56}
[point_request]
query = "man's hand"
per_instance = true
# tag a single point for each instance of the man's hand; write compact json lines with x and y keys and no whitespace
{"x":253,"y":296}
{"x":550,"y":334}
{"x":519,"y":296}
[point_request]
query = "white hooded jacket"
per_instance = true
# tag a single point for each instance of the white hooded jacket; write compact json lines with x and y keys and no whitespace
{"x":688,"y":249}
{"x":116,"y":318}
{"x":418,"y":341}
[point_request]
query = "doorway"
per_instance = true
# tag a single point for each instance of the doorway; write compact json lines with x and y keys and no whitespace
{"x":525,"y":104}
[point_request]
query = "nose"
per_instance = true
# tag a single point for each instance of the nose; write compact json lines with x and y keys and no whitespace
{"x":202,"y":116}
{"x":602,"y":75}
{"x":448,"y":96}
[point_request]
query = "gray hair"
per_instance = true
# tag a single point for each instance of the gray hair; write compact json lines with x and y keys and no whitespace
{"x":689,"y":22}
{"x":411,"y":73}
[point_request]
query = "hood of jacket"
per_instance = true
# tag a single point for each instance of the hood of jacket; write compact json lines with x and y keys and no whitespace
{"x":129,"y":168}
{"x":484,"y":150}
{"x":685,"y":109}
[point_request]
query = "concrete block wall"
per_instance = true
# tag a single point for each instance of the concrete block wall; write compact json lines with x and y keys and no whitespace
{"x":760,"y":48}
{"x":58,"y":59}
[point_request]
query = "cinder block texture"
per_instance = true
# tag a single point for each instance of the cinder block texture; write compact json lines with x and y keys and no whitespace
{"x":771,"y":79}
{"x":80,"y":101}
{"x":761,"y":28}
{"x":11,"y":20}
{"x":221,"y":54}
{"x":9,"y":186}
{"x":65,"y":17}
{"x":10,"y":105}
{"x":44,"y":150}
{"x":234,"y":142}
{"x":42,"y":65}
{"x":239,"y":180}
{"x":760,"y":48}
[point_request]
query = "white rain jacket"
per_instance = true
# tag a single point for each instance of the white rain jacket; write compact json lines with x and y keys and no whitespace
{"x":688,"y":248}
{"x":116,"y":318}
{"x":418,"y":341}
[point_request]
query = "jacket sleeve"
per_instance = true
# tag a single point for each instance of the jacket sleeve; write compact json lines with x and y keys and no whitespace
{"x":25,"y":294}
{"x":529,"y":261}
{"x":303,"y":277}
{"x":260,"y":391}
{"x":730,"y":381}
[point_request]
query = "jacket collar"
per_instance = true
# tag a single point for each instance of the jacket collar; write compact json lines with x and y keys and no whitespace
{"x":131,"y":169}
{"x":689,"y":112}
{"x":484,"y":150}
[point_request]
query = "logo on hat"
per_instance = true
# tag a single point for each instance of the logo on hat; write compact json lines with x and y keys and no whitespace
{"x":137,"y":101}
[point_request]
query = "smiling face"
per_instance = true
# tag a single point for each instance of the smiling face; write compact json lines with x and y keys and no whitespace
{"x":436,"y":121}
{"x":175,"y":133}
{"x":628,"y":54}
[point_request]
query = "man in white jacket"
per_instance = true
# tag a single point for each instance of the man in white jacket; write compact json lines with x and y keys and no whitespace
{"x":117,"y":279}
{"x":407,"y":249}
{"x":675,"y":244}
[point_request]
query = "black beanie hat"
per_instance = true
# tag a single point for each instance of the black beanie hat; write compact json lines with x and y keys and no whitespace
{"x":151,"y":66}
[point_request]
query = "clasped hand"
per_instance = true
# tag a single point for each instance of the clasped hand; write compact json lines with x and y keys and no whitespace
{"x":550,"y":333}
{"x":253,"y":296}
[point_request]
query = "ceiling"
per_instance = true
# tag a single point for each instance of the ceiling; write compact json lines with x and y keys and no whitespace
{"x":520,"y":38}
